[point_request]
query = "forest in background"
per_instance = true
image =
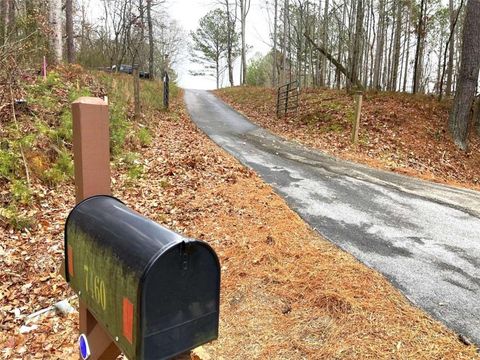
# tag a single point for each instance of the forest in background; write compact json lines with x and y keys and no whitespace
{"x":417,"y":46}
{"x":397,"y":45}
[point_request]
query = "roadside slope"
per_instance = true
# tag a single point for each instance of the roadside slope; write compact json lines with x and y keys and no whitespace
{"x":402,"y":133}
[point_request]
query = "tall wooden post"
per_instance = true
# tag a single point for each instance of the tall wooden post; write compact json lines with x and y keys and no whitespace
{"x":136,"y":91}
{"x":166,"y":90}
{"x":286,"y":98}
{"x":91,"y":151}
{"x":358,"y":113}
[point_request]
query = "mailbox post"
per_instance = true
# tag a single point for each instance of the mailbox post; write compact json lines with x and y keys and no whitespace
{"x":91,"y":153}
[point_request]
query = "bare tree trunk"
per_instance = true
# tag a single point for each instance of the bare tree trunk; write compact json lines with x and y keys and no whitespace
{"x":388,"y":56}
{"x":285,"y":41}
{"x":438,"y":84}
{"x":244,"y":9}
{"x":217,"y":72}
{"x":339,"y":52}
{"x":468,"y":76}
{"x":11,"y":17}
{"x":396,"y":50}
{"x":323,"y":72}
{"x":140,"y":46}
{"x":402,"y":61}
{"x":407,"y":56}
{"x":151,"y":42}
{"x":230,"y":29}
{"x":380,"y":43}
{"x":3,"y":21}
{"x":451,"y":51}
{"x":367,"y":44}
{"x":336,"y":63}
{"x":56,"y":25}
{"x":69,"y":31}
{"x":417,"y":72}
{"x":357,"y":45}
{"x":275,"y":57}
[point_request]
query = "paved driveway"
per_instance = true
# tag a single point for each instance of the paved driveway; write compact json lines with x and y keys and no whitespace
{"x":424,"y":237}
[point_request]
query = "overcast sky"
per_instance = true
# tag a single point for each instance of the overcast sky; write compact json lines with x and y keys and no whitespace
{"x":188,"y":14}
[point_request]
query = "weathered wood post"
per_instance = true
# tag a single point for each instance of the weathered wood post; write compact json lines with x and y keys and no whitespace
{"x":358,"y":113}
{"x":286,"y":98}
{"x":166,"y":90}
{"x":136,"y":91}
{"x":91,"y":151}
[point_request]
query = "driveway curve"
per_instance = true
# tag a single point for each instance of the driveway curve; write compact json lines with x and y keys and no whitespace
{"x":424,"y":237}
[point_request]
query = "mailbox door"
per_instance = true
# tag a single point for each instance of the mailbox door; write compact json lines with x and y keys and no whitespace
{"x":180,"y":301}
{"x":103,"y":282}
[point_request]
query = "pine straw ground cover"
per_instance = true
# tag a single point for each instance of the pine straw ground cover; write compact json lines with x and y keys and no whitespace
{"x":399,"y":132}
{"x":286,"y":292}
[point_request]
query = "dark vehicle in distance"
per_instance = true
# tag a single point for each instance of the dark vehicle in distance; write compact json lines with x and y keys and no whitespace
{"x":128,"y":69}
{"x":144,"y":75}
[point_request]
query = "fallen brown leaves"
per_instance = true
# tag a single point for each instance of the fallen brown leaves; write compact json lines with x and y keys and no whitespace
{"x":399,"y":132}
{"x":286,"y":293}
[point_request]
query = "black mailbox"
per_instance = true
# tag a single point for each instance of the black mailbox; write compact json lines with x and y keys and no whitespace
{"x":154,"y":291}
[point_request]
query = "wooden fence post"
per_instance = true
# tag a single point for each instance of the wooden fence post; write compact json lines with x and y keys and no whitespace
{"x":166,"y":90}
{"x":91,"y":151}
{"x":286,"y":98}
{"x":136,"y":91}
{"x":358,"y":113}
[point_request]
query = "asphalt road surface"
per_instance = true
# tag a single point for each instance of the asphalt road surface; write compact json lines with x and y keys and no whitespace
{"x":424,"y":237}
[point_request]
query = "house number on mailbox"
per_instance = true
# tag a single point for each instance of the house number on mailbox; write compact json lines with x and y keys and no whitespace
{"x":95,"y":287}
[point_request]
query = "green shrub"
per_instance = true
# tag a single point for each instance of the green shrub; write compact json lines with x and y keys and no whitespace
{"x":133,"y":166}
{"x":258,"y":71}
{"x":21,"y":192}
{"x":119,"y":126}
{"x":53,"y":79}
{"x":8,"y":164}
{"x":54,"y":176}
{"x":15,"y":219}
{"x":65,"y":130}
{"x":135,"y":172}
{"x":64,"y":163}
{"x":61,"y":171}
{"x":144,"y":137}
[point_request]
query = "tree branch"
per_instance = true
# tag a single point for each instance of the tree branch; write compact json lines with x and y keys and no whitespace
{"x":335,"y":62}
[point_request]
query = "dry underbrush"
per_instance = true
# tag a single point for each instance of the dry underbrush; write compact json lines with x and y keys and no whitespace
{"x":399,"y":132}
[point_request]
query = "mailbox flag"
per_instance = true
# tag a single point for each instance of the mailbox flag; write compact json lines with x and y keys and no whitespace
{"x":128,"y":320}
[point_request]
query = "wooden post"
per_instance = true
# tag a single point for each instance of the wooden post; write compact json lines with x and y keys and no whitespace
{"x":277,"y":105}
{"x":91,"y":152}
{"x":44,"y":68}
{"x":166,"y":90}
{"x":136,"y":91}
{"x":358,"y":113}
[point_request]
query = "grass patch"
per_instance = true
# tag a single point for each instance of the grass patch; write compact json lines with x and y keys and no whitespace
{"x":144,"y":137}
